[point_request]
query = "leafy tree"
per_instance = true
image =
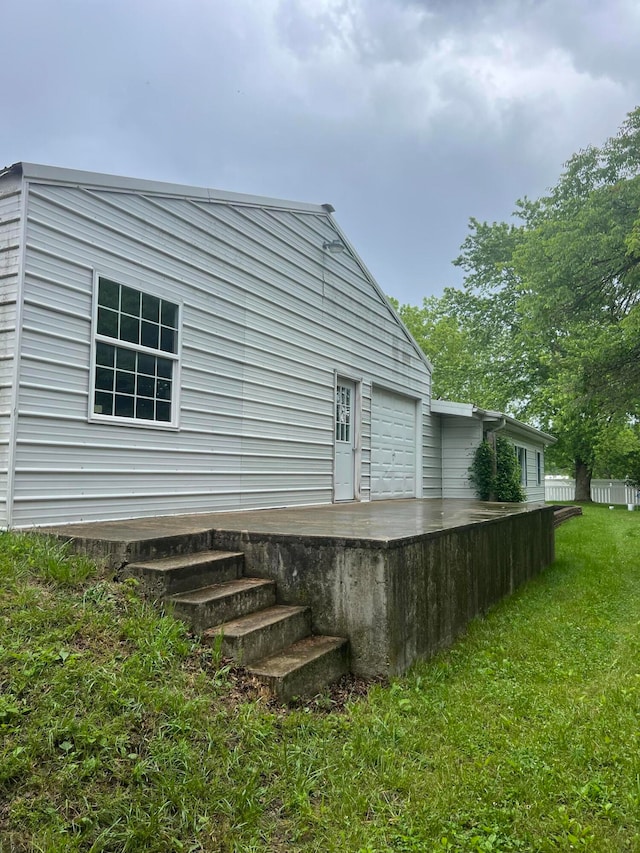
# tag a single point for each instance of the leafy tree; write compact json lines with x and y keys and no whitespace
{"x":470,"y":347}
{"x":448,"y":344}
{"x":558,"y":293}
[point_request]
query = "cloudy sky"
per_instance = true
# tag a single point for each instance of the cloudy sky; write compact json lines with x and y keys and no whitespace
{"x":409,"y":116}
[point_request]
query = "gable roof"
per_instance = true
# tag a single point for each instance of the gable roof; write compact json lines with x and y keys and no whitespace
{"x":117,"y":183}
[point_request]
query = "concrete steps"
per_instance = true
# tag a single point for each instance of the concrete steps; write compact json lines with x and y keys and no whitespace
{"x":209,"y":591}
{"x":259,"y":634}
{"x":305,"y":667}
{"x":184,"y":572}
{"x":210,"y":605}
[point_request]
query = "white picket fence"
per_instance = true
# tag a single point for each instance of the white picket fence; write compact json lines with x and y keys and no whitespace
{"x":602,"y":491}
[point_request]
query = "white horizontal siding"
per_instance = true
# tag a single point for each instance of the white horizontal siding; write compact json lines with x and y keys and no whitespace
{"x":460,"y":438}
{"x":133,"y":503}
{"x":10,"y":253}
{"x":267,"y":320}
{"x":534,"y":490}
{"x":431,"y":454}
{"x":49,"y":456}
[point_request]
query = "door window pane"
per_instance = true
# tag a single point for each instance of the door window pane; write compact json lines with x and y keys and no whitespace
{"x":343,"y":413}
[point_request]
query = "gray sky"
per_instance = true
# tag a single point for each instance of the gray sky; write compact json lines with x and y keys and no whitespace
{"x":409,"y":116}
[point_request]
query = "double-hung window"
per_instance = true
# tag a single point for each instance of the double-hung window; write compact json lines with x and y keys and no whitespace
{"x":136,"y":355}
{"x":521,"y":455}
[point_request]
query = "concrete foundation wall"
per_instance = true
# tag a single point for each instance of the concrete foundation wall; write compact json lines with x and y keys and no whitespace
{"x":401,"y":600}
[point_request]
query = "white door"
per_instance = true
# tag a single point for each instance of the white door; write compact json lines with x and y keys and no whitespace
{"x":344,"y":471}
{"x":393,"y":445}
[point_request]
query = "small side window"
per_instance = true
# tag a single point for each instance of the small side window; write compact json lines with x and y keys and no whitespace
{"x":521,"y":455}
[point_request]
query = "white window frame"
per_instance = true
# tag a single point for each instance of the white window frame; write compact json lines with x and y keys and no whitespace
{"x":522,"y":451}
{"x":175,"y":358}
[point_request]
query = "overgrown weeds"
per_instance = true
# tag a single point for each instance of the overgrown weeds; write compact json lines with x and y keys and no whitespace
{"x":119,"y":732}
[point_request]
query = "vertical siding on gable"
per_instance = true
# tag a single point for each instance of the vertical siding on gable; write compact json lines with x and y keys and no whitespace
{"x":268,"y":318}
{"x":10,"y":230}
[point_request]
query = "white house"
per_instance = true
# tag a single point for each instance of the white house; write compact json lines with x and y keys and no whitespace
{"x":169,"y":349}
{"x":463,"y":426}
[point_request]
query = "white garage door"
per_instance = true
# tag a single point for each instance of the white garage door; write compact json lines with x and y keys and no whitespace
{"x":393,"y":445}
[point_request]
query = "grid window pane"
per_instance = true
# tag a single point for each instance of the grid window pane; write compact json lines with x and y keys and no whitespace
{"x":104,"y":378}
{"x":167,"y":340}
{"x":130,"y":381}
{"x":129,"y":329}
{"x":124,"y":406}
{"x":146,"y":386}
{"x":107,"y":323}
{"x":103,"y":404}
{"x":163,"y":411}
{"x":150,"y":308}
{"x":165,"y":368}
{"x":149,"y":335}
{"x":127,"y":305}
{"x":130,"y":301}
{"x":144,"y":409}
{"x":126,"y":359}
{"x":142,"y":392}
{"x":105,"y":354}
{"x":169,"y":314}
{"x":125,"y":382}
{"x":163,"y":389}
{"x":109,"y":294}
{"x":146,"y":364}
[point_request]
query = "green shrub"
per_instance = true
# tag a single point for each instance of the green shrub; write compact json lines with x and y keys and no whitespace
{"x":507,"y":486}
{"x":481,"y":471}
{"x":496,"y":474}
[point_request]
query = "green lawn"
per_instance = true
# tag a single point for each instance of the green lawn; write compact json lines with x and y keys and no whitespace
{"x":118,"y":732}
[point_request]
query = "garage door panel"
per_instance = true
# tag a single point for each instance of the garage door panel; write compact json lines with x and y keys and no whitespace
{"x":393,"y":445}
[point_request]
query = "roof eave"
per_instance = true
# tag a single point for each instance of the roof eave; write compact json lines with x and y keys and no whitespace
{"x":13,"y":169}
{"x":118,"y":183}
{"x":516,"y":425}
{"x":468,"y":410}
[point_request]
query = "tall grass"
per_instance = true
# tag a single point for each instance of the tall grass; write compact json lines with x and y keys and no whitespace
{"x":118,"y":732}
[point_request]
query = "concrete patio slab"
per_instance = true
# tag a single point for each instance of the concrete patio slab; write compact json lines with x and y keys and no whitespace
{"x":376,"y":521}
{"x":401,"y":579}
